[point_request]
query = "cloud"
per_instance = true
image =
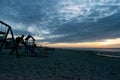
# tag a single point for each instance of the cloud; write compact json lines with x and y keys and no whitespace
{"x":63,"y":20}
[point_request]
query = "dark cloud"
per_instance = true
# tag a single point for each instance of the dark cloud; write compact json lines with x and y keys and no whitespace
{"x":63,"y":20}
{"x":105,"y":28}
{"x":20,"y":32}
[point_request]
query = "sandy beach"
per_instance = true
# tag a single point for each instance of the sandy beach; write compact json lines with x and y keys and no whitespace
{"x":60,"y":65}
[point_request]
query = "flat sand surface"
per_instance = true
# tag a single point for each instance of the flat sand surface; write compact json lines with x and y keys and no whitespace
{"x":60,"y":65}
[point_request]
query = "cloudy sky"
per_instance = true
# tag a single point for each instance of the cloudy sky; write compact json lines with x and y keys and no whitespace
{"x":66,"y":23}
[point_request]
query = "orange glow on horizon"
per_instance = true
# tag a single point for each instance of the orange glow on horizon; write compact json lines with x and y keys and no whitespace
{"x":108,"y":43}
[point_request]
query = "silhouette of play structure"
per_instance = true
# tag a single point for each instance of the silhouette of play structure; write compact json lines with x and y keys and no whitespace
{"x":5,"y":30}
{"x":27,"y":47}
{"x":29,"y":42}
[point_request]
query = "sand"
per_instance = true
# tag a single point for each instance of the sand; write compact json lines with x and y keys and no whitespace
{"x":60,"y":65}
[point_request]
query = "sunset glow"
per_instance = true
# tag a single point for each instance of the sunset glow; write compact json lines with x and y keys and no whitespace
{"x":108,"y":43}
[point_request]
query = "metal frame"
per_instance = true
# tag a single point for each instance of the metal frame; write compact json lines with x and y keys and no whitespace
{"x":8,"y":30}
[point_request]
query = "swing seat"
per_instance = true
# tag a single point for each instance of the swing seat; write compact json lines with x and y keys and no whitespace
{"x":2,"y":35}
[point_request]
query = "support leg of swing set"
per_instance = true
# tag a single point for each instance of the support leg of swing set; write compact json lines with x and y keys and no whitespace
{"x":4,"y":40}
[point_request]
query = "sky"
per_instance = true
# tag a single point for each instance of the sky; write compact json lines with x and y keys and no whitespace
{"x":65,"y":23}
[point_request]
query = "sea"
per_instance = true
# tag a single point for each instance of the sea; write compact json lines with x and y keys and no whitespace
{"x":97,"y":49}
{"x":105,"y":52}
{"x":101,"y":49}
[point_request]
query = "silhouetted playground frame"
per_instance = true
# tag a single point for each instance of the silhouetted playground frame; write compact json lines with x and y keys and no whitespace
{"x":9,"y":29}
{"x":18,"y":40}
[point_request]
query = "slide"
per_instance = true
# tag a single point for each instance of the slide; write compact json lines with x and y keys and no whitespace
{"x":30,"y":49}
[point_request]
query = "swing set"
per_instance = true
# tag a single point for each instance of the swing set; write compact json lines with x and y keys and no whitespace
{"x":5,"y":29}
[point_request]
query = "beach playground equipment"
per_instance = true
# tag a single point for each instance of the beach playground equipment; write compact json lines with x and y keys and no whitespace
{"x":7,"y":39}
{"x":5,"y":32}
{"x":20,"y":40}
{"x":30,"y":41}
{"x":30,"y":46}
